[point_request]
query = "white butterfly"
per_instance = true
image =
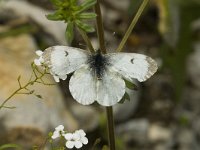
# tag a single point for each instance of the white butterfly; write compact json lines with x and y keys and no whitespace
{"x":97,"y":77}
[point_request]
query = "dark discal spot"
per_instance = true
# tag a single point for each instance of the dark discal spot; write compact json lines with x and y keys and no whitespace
{"x":98,"y":63}
{"x":66,"y":53}
{"x":132,"y":60}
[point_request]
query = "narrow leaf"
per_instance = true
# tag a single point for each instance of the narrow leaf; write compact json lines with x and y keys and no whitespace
{"x":87,"y":16}
{"x":70,"y":32}
{"x":73,"y":1}
{"x":84,"y":26}
{"x":125,"y":97}
{"x":86,"y":5}
{"x":56,"y":2}
{"x":169,"y":22}
{"x":97,"y":141}
{"x":55,"y":16}
{"x":7,"y":146}
{"x":130,"y":85}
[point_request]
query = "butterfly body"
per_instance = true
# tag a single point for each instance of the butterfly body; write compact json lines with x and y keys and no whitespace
{"x":98,"y":63}
{"x":97,"y":77}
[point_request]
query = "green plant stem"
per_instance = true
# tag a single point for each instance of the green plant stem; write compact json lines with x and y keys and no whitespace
{"x":100,"y":30}
{"x":19,"y":89}
{"x":87,"y":40}
{"x":132,"y":25}
{"x":109,"y":111}
{"x":111,"y":131}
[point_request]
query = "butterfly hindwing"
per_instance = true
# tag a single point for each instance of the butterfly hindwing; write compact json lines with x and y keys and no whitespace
{"x":63,"y":59}
{"x":132,"y":65}
{"x":110,"y":89}
{"x":82,"y":86}
{"x":86,"y":88}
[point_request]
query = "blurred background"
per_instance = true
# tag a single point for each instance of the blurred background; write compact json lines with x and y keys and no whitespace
{"x":163,"y":114}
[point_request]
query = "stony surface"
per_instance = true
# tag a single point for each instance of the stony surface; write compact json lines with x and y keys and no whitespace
{"x":134,"y":131}
{"x":193,"y":68}
{"x":158,"y":133}
{"x":152,"y":120}
{"x":24,"y":9}
{"x":124,"y":111}
{"x":87,"y":116}
{"x":41,"y":115}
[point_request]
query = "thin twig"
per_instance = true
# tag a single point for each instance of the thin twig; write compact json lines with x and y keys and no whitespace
{"x":23,"y":87}
{"x":87,"y":40}
{"x":100,"y":33}
{"x":132,"y":25}
{"x":111,"y":131}
{"x":100,"y":30}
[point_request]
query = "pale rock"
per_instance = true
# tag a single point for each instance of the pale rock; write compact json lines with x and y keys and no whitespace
{"x":193,"y":66}
{"x":32,"y":113}
{"x":25,"y":9}
{"x":187,"y":140}
{"x":124,"y":111}
{"x":122,"y":5}
{"x":87,"y":116}
{"x":114,"y":21}
{"x":196,"y":25}
{"x":161,"y":146}
{"x":134,"y":130}
{"x":158,"y":133}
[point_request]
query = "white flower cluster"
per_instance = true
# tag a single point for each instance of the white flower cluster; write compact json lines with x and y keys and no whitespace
{"x":40,"y":61}
{"x":76,"y":139}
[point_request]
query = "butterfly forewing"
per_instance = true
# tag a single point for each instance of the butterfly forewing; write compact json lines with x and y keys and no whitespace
{"x":63,"y":59}
{"x":132,"y":65}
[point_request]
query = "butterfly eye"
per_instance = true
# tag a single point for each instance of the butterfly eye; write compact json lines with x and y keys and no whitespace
{"x":132,"y":60}
{"x":66,"y":53}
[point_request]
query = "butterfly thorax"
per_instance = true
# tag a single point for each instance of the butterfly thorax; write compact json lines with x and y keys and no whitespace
{"x":98,"y":63}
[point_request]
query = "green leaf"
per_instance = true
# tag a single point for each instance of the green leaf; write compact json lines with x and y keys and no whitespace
{"x":70,"y":32}
{"x":50,"y":134}
{"x":169,"y":22}
{"x":87,"y":16}
{"x":56,"y":2}
{"x":55,"y":16}
{"x":73,"y":1}
{"x":86,"y":5}
{"x":8,"y":146}
{"x":125,"y":97}
{"x":84,"y":26}
{"x":130,"y":85}
{"x":97,"y":141}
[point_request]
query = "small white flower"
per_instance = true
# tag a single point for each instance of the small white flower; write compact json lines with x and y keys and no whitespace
{"x":77,"y":139}
{"x":40,"y":60}
{"x":82,"y":134}
{"x":59,"y":131}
